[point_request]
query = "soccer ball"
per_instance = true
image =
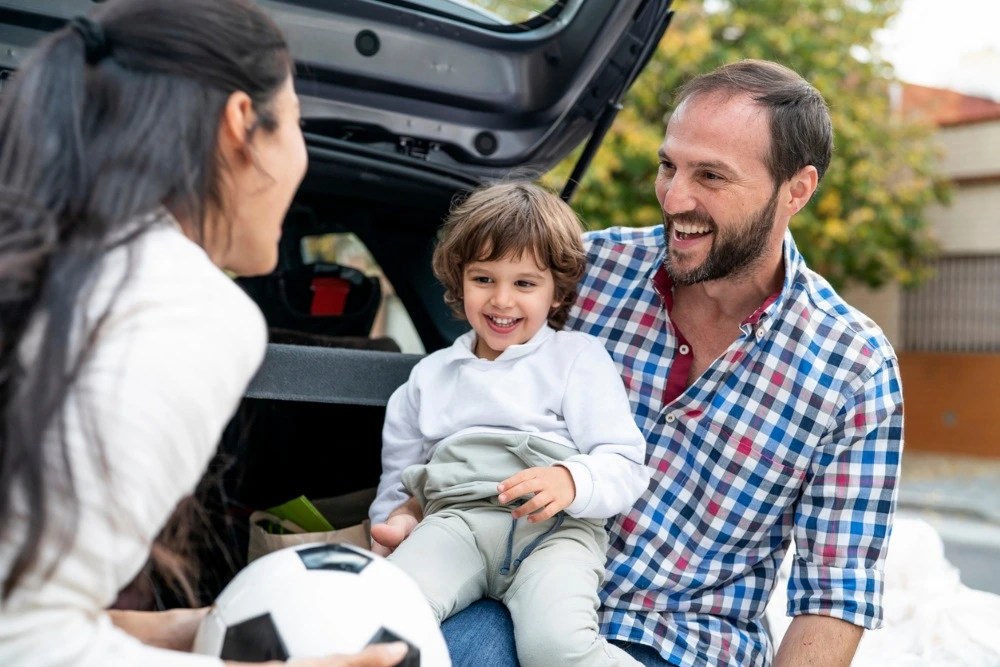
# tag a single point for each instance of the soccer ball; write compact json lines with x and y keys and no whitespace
{"x":320,"y":599}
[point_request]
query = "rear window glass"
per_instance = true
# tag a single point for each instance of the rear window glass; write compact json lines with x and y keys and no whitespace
{"x":493,"y":12}
{"x":506,"y":11}
{"x":346,"y":249}
{"x":499,"y":15}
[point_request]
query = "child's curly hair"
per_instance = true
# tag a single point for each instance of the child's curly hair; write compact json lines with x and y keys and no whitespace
{"x":505,"y":220}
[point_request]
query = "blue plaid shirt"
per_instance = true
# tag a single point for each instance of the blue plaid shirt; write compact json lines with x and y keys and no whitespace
{"x":794,"y":433}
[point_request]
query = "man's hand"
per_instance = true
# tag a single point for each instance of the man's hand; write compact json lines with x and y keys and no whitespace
{"x":553,"y":490}
{"x":397,"y":527}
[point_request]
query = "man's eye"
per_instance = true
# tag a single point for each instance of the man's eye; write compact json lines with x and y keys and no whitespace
{"x":666,"y":166}
{"x":711,"y":176}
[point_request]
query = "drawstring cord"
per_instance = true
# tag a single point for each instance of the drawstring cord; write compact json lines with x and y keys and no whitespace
{"x":506,"y":568}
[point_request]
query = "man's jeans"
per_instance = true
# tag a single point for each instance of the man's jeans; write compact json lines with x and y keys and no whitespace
{"x":482,"y":635}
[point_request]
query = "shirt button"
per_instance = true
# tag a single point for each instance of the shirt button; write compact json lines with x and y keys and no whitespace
{"x":684,"y":349}
{"x":671,"y":418}
{"x":760,"y":332}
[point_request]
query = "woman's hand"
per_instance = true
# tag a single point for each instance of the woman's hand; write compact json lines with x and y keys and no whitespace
{"x":176,"y":628}
{"x":376,"y":655}
{"x":173,"y":629}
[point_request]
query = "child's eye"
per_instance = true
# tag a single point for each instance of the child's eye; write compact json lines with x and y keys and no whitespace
{"x":525,"y":284}
{"x":483,"y":280}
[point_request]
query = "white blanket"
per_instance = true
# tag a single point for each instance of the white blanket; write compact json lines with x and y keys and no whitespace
{"x":931,"y":618}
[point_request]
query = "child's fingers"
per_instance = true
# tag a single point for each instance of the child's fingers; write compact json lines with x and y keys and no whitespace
{"x":538,"y":502}
{"x":516,"y":479}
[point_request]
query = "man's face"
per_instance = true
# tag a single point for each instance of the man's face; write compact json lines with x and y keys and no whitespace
{"x":736,"y":247}
{"x":717,"y":196}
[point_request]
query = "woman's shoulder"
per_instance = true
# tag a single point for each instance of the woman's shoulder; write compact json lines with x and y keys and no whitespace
{"x":167,"y":264}
{"x":163,"y":281}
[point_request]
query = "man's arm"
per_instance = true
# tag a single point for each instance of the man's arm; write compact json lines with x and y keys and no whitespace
{"x":844,"y":516}
{"x":823,"y":641}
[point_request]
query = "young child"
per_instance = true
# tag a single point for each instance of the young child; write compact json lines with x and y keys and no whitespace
{"x":516,"y":419}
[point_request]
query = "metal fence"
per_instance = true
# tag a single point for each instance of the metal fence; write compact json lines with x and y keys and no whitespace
{"x":958,"y":310}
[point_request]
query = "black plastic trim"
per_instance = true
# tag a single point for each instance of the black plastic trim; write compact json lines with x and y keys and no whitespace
{"x":330,"y":375}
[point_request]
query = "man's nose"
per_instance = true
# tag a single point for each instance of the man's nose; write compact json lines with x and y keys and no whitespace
{"x":678,"y":196}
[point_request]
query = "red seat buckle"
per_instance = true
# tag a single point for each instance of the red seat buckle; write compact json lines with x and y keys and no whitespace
{"x":329,"y":295}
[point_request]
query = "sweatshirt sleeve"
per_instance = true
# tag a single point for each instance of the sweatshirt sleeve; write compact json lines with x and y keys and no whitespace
{"x":610,"y":472}
{"x":403,"y":445}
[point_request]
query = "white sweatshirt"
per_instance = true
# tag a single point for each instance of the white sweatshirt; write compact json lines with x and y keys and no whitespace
{"x":169,"y":368}
{"x":560,"y":385}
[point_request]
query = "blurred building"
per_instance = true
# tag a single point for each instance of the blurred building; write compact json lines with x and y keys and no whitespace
{"x":947,"y":331}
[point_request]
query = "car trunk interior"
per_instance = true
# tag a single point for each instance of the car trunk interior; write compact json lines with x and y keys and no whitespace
{"x":311,"y":421}
{"x":389,"y":149}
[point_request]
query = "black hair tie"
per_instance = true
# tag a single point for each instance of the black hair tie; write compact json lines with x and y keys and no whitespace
{"x":95,"y":42}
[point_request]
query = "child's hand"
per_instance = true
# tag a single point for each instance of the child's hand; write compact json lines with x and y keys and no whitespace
{"x":553,"y":488}
{"x":389,"y":535}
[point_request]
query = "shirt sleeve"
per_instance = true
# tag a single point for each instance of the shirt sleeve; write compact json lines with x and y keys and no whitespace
{"x":173,"y":374}
{"x":610,"y":472}
{"x":844,"y":518}
{"x":166,"y":373}
{"x":403,"y":445}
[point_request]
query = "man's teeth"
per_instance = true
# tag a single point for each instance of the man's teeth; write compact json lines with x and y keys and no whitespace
{"x":504,"y":321}
{"x":688,"y":228}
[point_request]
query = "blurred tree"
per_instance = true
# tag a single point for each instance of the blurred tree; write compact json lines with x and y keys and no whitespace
{"x":517,"y":11}
{"x":866,"y":222}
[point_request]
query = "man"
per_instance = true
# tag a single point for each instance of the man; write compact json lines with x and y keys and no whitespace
{"x":772,"y":410}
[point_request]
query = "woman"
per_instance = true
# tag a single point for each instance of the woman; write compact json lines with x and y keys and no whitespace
{"x":142,"y":151}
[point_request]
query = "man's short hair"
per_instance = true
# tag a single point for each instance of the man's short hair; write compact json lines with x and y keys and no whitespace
{"x":801,"y":130}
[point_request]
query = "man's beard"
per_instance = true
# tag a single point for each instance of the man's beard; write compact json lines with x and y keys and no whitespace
{"x":732,"y":253}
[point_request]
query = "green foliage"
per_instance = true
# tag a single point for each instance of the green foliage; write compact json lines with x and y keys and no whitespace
{"x":515,"y":12}
{"x":866,"y":223}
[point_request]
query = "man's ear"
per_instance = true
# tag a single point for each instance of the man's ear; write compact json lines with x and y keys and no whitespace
{"x":801,"y":187}
{"x":238,"y":117}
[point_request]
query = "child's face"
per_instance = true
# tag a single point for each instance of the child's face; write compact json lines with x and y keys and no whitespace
{"x":506,"y":301}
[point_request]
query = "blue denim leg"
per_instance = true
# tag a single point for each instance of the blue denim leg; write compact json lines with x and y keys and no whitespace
{"x":646,"y":655}
{"x":481,"y":634}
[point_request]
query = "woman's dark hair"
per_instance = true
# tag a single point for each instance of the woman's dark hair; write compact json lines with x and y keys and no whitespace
{"x":111,"y":117}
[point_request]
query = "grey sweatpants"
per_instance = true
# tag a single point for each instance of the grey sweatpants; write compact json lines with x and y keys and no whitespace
{"x":457,"y":556}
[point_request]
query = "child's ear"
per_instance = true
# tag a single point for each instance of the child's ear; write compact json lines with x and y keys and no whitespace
{"x":557,"y":300}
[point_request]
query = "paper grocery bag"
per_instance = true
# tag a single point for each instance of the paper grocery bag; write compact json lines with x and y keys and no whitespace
{"x":263,"y":541}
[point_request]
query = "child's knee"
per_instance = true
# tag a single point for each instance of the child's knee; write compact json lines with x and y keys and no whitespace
{"x":542,"y":645}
